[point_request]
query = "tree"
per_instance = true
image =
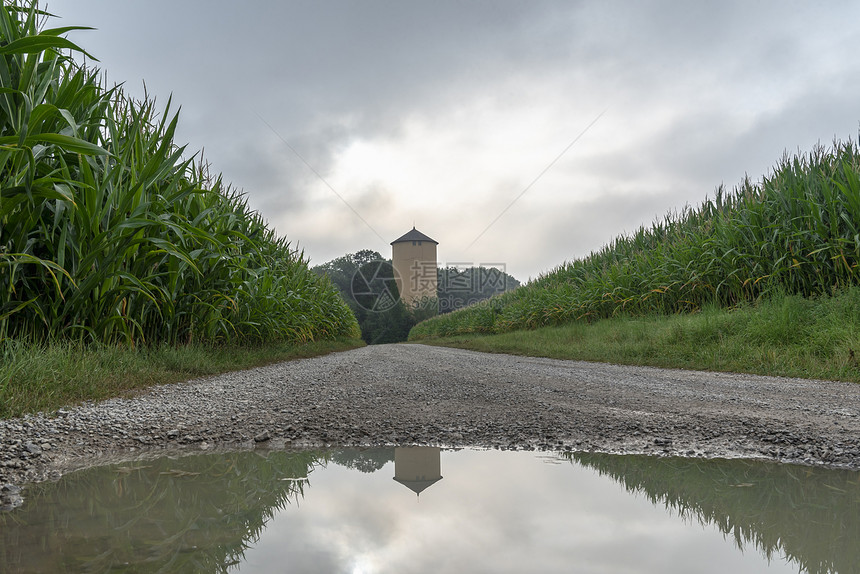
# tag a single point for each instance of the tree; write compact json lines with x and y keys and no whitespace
{"x":343,"y":269}
{"x":460,"y":287}
{"x":366,"y":282}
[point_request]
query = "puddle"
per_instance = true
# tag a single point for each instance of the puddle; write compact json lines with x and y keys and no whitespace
{"x":426,"y":510}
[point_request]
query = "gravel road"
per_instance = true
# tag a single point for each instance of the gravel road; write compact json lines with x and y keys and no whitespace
{"x":417,"y":394}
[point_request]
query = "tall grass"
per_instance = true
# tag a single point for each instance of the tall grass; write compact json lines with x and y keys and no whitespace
{"x":109,"y":233}
{"x":796,"y":232}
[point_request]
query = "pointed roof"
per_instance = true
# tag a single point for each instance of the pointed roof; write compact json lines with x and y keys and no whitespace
{"x":417,"y":486}
{"x":414,"y":235}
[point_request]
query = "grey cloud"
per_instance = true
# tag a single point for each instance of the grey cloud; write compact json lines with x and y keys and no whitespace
{"x":579,"y":229}
{"x":699,"y":92}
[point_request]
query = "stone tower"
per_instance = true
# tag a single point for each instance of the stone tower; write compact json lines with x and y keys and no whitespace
{"x":414,"y":258}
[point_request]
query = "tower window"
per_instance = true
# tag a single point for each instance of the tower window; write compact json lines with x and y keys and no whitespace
{"x":414,"y":243}
{"x":419,"y":243}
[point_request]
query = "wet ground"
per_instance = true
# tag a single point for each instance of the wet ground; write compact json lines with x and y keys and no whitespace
{"x":423,"y":395}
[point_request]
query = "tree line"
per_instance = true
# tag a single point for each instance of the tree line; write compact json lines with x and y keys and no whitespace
{"x":366,"y":281}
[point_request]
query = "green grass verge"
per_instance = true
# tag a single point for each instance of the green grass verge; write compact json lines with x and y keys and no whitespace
{"x":45,"y":377}
{"x":786,"y":335}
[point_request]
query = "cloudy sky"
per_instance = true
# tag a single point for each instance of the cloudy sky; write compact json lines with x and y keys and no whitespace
{"x":443,"y":113}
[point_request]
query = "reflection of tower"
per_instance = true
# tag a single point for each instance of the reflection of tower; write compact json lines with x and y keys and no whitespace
{"x":414,"y":258}
{"x":417,"y":467}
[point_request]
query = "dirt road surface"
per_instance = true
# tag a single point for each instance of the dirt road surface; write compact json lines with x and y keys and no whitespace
{"x":417,"y":394}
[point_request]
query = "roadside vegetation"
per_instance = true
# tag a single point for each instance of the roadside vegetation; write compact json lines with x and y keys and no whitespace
{"x":790,"y":241}
{"x":459,"y":287}
{"x":784,"y":335}
{"x":366,"y":282}
{"x":46,"y":376}
{"x":111,"y":234}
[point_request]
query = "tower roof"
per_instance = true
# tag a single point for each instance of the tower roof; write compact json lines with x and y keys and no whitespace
{"x":417,"y":486}
{"x":414,"y":235}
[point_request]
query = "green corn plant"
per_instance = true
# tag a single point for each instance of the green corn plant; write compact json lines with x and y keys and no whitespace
{"x":108,"y":230}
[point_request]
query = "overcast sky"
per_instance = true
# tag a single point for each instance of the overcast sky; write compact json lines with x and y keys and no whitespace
{"x":441,"y":113}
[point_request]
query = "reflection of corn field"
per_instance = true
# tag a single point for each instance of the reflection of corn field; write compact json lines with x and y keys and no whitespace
{"x":798,"y":231}
{"x":108,"y":233}
{"x":194,"y":514}
{"x":809,"y":515}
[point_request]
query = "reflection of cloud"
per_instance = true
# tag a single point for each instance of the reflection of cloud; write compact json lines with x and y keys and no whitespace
{"x":493,"y":512}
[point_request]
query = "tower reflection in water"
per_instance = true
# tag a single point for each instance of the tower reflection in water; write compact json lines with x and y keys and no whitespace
{"x":417,"y":467}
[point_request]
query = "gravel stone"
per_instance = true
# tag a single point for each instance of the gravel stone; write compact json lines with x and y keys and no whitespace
{"x":32,"y":449}
{"x":418,"y":394}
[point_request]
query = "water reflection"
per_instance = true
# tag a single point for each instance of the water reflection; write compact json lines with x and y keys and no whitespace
{"x":811,"y":516}
{"x":365,"y":460}
{"x":172,"y":515}
{"x":417,"y":467}
{"x":495,"y":512}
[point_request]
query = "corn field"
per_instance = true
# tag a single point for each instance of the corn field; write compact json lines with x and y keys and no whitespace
{"x":109,"y":233}
{"x":795,"y":232}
